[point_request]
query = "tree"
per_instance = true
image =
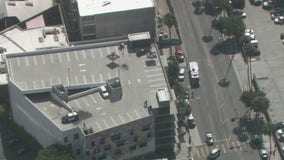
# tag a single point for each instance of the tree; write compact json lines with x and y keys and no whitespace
{"x":173,"y":70}
{"x":231,"y":26}
{"x":238,"y":4}
{"x":55,"y":152}
{"x":222,"y":4}
{"x":169,"y":20}
{"x":179,"y":91}
{"x":260,"y":104}
{"x":249,"y":96}
{"x":269,"y":128}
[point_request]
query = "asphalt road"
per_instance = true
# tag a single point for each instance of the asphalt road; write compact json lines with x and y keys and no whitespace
{"x":213,"y":106}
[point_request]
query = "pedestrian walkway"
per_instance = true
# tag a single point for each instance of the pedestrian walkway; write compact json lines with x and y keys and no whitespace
{"x":200,"y":152}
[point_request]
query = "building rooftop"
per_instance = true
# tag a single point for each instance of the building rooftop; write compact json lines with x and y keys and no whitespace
{"x":26,"y":9}
{"x":139,"y":81}
{"x":93,"y":7}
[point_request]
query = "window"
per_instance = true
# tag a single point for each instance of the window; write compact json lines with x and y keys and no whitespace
{"x":78,"y":151}
{"x":131,"y":131}
{"x":93,"y":143}
{"x":133,"y":147}
{"x":102,"y":141}
{"x":149,"y":135}
{"x":65,"y":139}
{"x":118,"y":151}
{"x":120,"y":143}
{"x":135,"y":139}
{"x":102,"y":156}
{"x":146,"y":127}
{"x":115,"y":137}
{"x":142,"y":144}
{"x":87,"y":153}
{"x":107,"y":147}
{"x":76,"y":136}
{"x":94,"y":158}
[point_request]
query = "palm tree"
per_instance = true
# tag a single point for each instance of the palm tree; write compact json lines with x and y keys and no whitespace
{"x":268,"y":129}
{"x":169,"y":20}
{"x":253,"y":98}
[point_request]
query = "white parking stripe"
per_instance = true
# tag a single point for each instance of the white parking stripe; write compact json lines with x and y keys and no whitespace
{"x":84,"y":54}
{"x":202,"y":152}
{"x":137,"y":113}
{"x":207,"y":150}
{"x":42,"y":83}
{"x":100,"y":51}
{"x":93,"y":99}
{"x":109,"y":76}
{"x":76,"y":56}
{"x":34,"y":83}
{"x":93,"y":78}
{"x":68,"y":56}
{"x":50,"y":82}
{"x":152,"y":70}
{"x":239,"y":146}
{"x":27,"y":61}
{"x":128,"y":115}
{"x":108,"y":51}
{"x":107,"y":126}
{"x":51,"y":58}
{"x":76,"y":79}
{"x":43,"y":60}
{"x":77,"y":104}
{"x":93,"y":54}
{"x":154,"y":75}
{"x":114,"y":122}
{"x":60,"y":58}
{"x":59,"y":81}
{"x":139,"y":80}
{"x":35,"y":62}
{"x":101,"y":77}
{"x":18,"y":61}
{"x":197,"y":153}
{"x":99,"y":126}
{"x":153,"y":80}
{"x":85,"y":101}
{"x":121,"y":118}
{"x":85,"y":80}
{"x":223,"y":148}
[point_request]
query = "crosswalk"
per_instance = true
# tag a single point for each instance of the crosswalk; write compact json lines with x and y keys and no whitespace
{"x":200,"y":152}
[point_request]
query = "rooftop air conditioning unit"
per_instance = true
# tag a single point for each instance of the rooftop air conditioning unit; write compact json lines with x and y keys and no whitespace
{"x":11,"y":3}
{"x":29,"y":3}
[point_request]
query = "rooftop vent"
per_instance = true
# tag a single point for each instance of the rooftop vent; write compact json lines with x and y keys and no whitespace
{"x":29,"y":4}
{"x":11,"y":3}
{"x":106,"y":3}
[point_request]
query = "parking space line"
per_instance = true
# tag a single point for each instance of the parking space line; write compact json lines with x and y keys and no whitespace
{"x":100,"y":51}
{"x":93,"y":54}
{"x":108,"y":51}
{"x":76,"y":56}
{"x":154,"y":75}
{"x":151,"y":70}
{"x":137,"y":113}
{"x":101,"y":77}
{"x":153,"y":80}
{"x":85,"y":80}
{"x":93,"y":78}
{"x":128,"y":115}
{"x":68,"y":56}
{"x":43,"y":60}
{"x":59,"y":81}
{"x":223,"y":148}
{"x":239,"y":145}
{"x":42,"y":83}
{"x":85,"y":101}
{"x":27,"y":61}
{"x":84,"y":54}
{"x":157,"y":85}
{"x":202,"y":152}
{"x":18,"y":61}
{"x":139,"y":80}
{"x":99,"y":126}
{"x":107,"y":126}
{"x":114,"y":122}
{"x":60,"y":58}
{"x":51,"y":58}
{"x":67,"y":80}
{"x":109,"y":76}
{"x":93,"y":99}
{"x":197,"y":153}
{"x":121,"y":118}
{"x":50,"y":81}
{"x":35,"y":62}
{"x":77,"y":104}
{"x":34,"y":84}
{"x":143,"y":110}
{"x":76,"y":79}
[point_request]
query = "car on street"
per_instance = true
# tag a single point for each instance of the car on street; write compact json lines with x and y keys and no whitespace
{"x":279,"y":20}
{"x":209,"y":138}
{"x":191,"y":121}
{"x":263,"y":154}
{"x":179,"y":53}
{"x":280,"y":135}
{"x":181,"y":74}
{"x":214,"y":154}
{"x":250,"y":34}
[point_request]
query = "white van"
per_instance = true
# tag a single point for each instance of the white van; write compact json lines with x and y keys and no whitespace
{"x":104,"y":92}
{"x":214,"y":154}
{"x":193,"y":69}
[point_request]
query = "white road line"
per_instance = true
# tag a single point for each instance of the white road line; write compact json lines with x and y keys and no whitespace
{"x":129,"y":116}
{"x":113,"y":121}
{"x":139,"y":80}
{"x":67,"y":80}
{"x":223,"y":148}
{"x":42,"y":83}
{"x":108,"y":75}
{"x":76,"y":56}
{"x":129,"y":82}
{"x":68,"y":56}
{"x":35,"y":62}
{"x":60,"y":58}
{"x":153,"y":80}
{"x":107,"y":126}
{"x":152,"y":70}
{"x":43,"y":60}
{"x":82,"y":70}
{"x":101,"y":77}
{"x":27,"y":61}
{"x":82,"y":64}
{"x":78,"y":105}
{"x":85,"y":101}
{"x":93,"y":99}
{"x":157,"y":85}
{"x":93,"y":54}
{"x":154,"y":75}
{"x":100,"y":51}
{"x":59,"y":81}
{"x":18,"y":62}
{"x":121,"y":118}
{"x":85,"y":79}
{"x":108,"y":51}
{"x":51,"y":58}
{"x":50,"y":82}
{"x":99,"y":126}
{"x":34,"y":83}
{"x":84,"y":54}
{"x":76,"y":79}
{"x":137,"y":113}
{"x":197,"y":153}
{"x":117,"y":51}
{"x":93,"y":78}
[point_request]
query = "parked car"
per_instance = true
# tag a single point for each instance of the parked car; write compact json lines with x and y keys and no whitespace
{"x":103,"y":91}
{"x":267,"y":5}
{"x":191,"y":121}
{"x":257,"y":2}
{"x":263,"y":154}
{"x":280,"y":134}
{"x":279,"y":20}
{"x":70,"y":117}
{"x":239,"y":14}
{"x":179,"y":53}
{"x":282,"y":39}
{"x":214,"y":154}
{"x":209,"y":138}
{"x":181,"y":74}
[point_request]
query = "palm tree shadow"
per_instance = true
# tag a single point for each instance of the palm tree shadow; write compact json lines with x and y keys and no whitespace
{"x":226,"y":47}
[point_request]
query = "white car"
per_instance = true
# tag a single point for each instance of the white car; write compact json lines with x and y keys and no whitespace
{"x":181,"y":74}
{"x":191,"y":121}
{"x":280,"y":134}
{"x":209,"y":138}
{"x":104,"y":93}
{"x":263,"y":154}
{"x":279,"y":20}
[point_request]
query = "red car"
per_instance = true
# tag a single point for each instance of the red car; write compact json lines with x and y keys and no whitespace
{"x":179,"y":53}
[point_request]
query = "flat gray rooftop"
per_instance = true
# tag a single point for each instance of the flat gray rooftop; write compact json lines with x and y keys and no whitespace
{"x":140,"y":78}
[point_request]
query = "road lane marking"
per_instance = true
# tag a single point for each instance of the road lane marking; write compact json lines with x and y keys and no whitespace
{"x":93,"y":78}
{"x":99,"y":126}
{"x":93,"y":99}
{"x":100,"y":51}
{"x":85,"y":101}
{"x":121,"y":118}
{"x":85,"y":79}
